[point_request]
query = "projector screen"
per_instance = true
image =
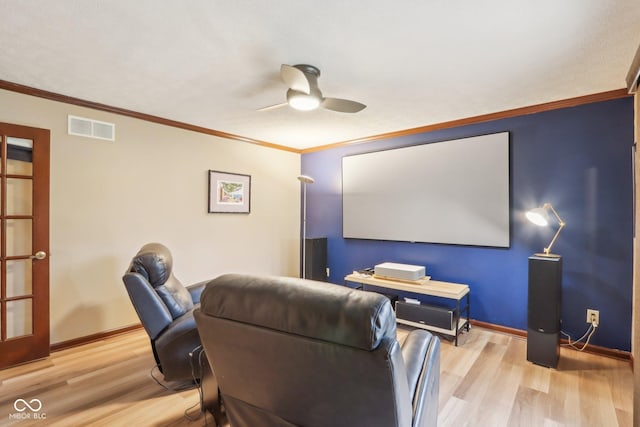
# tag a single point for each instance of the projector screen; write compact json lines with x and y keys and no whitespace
{"x":453,"y":192}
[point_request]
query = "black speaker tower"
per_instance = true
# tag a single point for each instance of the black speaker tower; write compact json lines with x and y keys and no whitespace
{"x":544,"y":308}
{"x":316,"y":259}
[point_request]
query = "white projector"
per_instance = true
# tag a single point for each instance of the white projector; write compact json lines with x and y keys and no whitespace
{"x":393,"y":270}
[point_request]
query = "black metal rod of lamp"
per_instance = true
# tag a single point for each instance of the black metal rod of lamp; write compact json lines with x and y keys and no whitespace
{"x":304,"y":179}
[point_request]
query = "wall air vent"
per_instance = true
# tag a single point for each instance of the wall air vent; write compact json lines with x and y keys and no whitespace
{"x":90,"y":128}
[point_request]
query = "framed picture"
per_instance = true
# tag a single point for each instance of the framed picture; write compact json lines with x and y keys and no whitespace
{"x":229,"y":192}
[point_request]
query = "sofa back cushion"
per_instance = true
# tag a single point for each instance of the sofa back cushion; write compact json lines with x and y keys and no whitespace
{"x":155,"y":263}
{"x":303,"y":307}
{"x":290,"y":352}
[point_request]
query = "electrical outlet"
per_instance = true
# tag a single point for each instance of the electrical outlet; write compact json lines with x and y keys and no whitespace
{"x":328,"y":272}
{"x":593,"y":315}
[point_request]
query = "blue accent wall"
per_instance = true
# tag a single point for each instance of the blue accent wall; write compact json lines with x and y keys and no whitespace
{"x":578,"y":159}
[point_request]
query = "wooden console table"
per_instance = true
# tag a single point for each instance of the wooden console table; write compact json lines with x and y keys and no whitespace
{"x":434,"y":288}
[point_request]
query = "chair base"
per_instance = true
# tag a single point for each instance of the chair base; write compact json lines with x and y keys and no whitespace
{"x":211,"y":400}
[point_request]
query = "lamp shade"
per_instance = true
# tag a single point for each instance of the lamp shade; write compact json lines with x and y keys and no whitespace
{"x":306,"y":179}
{"x":538,"y":216}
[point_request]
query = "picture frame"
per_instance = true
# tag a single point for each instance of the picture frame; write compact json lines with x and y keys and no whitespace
{"x":229,"y":192}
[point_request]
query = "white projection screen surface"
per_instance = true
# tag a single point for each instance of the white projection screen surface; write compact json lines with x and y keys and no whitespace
{"x":452,"y":192}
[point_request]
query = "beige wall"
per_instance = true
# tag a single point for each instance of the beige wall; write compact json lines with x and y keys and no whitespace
{"x":109,"y":198}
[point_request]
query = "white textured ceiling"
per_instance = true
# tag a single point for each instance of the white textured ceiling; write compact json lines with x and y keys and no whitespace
{"x":414,"y":63}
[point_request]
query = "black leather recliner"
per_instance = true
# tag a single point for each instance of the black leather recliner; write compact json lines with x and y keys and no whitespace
{"x":165,"y":308}
{"x":294,"y":352}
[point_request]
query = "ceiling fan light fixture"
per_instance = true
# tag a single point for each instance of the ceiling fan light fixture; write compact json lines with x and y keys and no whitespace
{"x":304,"y":94}
{"x":302,"y":101}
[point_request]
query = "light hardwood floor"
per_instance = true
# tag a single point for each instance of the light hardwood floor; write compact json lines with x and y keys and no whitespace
{"x":485,"y":381}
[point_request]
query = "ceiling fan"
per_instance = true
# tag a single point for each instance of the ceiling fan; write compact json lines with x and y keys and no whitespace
{"x":304,"y":94}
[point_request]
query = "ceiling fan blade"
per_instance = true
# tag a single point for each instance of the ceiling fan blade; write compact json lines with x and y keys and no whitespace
{"x":295,"y":78}
{"x":342,"y":105}
{"x":273,"y":107}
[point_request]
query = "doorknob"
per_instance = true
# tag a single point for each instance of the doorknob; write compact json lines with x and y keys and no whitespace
{"x":39,"y":255}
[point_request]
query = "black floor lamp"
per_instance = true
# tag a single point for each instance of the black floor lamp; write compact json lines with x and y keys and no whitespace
{"x":304,"y":179}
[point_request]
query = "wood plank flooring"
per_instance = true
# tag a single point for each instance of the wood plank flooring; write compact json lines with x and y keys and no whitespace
{"x":485,"y":381}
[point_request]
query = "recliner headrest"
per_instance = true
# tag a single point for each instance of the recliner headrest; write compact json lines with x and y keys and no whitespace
{"x":303,"y":307}
{"x":154,"y":262}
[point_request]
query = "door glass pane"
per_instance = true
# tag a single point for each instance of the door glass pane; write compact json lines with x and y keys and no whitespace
{"x":19,"y":196}
{"x":18,"y":237}
{"x":19,"y":161}
{"x":18,"y":277}
{"x":19,"y":318}
{"x":17,"y":167}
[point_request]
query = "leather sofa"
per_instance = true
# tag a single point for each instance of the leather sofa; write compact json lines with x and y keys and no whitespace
{"x":294,"y":352}
{"x":165,"y":308}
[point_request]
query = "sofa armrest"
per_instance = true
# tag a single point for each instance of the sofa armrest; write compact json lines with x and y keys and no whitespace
{"x":421,"y":354}
{"x":196,"y":290}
